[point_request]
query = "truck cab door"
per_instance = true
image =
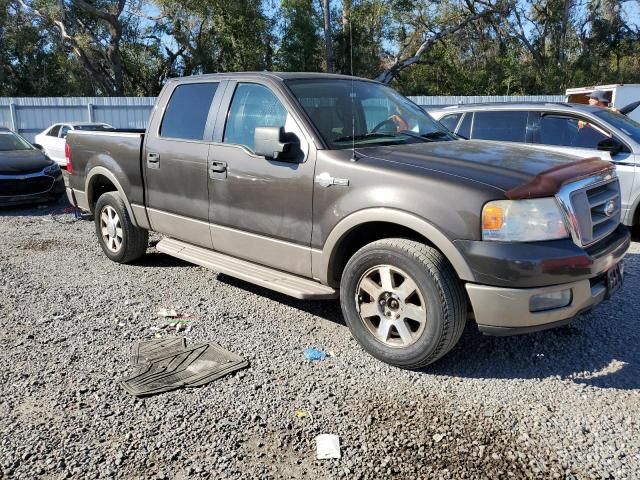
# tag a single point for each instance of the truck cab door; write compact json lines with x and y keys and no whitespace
{"x":260,"y":209}
{"x":174,"y":160}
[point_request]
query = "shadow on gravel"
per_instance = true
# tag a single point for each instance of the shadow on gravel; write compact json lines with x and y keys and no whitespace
{"x":326,"y":309}
{"x":36,"y":209}
{"x":599,"y":348}
{"x":157,"y":259}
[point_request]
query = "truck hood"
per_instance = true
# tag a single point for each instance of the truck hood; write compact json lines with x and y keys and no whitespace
{"x":497,"y":164}
{"x":16,"y":162}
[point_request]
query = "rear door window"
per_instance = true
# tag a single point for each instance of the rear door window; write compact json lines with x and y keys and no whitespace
{"x":65,"y":130}
{"x":187,"y":111}
{"x":252,"y":106}
{"x":507,"y":126}
{"x":54,"y":131}
{"x":451,"y":121}
{"x":569,"y":132}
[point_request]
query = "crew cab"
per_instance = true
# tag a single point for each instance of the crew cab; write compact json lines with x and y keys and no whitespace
{"x":320,"y":186}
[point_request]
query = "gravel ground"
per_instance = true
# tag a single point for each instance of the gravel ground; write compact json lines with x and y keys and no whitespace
{"x":557,"y":404}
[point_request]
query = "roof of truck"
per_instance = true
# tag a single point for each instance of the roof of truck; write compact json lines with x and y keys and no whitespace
{"x":275,"y":75}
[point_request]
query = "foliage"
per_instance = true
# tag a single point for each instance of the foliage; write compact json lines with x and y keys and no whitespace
{"x":432,"y":47}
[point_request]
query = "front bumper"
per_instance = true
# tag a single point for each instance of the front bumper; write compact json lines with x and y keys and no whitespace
{"x":500,"y":307}
{"x":51,"y":193}
{"x":506,"y":311}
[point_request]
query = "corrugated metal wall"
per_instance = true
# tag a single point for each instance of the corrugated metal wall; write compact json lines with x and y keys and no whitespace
{"x":32,"y":115}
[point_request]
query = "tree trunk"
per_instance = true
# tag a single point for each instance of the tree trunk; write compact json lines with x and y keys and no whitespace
{"x":328,"y":37}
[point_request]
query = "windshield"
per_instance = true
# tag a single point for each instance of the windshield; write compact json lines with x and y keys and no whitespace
{"x":94,"y":128}
{"x":11,"y":141}
{"x":364,"y":113}
{"x":621,"y":122}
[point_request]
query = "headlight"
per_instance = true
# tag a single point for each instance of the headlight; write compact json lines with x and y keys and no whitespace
{"x":52,"y":169}
{"x":523,"y":220}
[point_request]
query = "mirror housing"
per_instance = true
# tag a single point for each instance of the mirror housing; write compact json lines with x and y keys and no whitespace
{"x":610,"y":145}
{"x":38,"y":146}
{"x":274,"y":144}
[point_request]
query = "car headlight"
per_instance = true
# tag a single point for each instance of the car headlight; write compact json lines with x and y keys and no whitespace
{"x":523,"y":220}
{"x":52,"y":169}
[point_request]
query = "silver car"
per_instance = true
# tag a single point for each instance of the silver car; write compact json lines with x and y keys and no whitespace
{"x":576,"y":129}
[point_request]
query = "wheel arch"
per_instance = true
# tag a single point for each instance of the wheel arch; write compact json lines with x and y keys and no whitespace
{"x":100,"y":180}
{"x":366,"y":226}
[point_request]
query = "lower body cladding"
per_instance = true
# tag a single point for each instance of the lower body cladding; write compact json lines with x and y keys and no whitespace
{"x":510,"y":309}
{"x":32,"y":189}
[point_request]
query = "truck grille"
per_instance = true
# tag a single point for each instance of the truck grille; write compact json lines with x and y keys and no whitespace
{"x":10,"y":187}
{"x":593,"y":208}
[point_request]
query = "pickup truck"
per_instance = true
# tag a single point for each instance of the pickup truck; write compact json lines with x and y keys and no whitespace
{"x":319,"y":186}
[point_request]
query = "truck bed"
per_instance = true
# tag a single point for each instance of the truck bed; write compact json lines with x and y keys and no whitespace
{"x":118,"y":151}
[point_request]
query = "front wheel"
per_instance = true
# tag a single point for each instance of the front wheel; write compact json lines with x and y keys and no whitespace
{"x":119,"y":238}
{"x":403,"y":302}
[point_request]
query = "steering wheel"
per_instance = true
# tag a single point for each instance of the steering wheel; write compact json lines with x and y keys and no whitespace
{"x":395,"y":121}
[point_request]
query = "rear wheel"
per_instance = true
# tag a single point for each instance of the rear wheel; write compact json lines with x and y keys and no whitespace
{"x":119,"y":238}
{"x":403,"y":302}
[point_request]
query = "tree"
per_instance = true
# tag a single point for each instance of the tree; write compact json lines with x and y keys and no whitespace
{"x":300,"y":44}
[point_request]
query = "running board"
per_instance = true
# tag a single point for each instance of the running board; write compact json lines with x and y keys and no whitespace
{"x":266,"y":277}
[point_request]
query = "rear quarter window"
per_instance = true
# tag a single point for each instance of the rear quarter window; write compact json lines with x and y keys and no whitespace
{"x":187,"y":111}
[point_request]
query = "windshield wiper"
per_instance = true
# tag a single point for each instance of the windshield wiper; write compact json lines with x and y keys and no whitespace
{"x":434,"y":135}
{"x":364,"y":136}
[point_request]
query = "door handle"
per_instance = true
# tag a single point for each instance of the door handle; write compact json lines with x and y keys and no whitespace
{"x":218,"y":167}
{"x":153,"y":160}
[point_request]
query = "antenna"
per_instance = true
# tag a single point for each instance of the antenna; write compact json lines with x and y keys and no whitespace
{"x":354,"y":157}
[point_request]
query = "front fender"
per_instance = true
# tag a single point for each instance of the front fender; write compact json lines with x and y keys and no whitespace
{"x":323,"y":260}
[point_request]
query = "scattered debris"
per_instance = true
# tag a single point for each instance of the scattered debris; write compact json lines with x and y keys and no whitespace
{"x":313,"y":354}
{"x":166,"y":364}
{"x":327,"y":446}
{"x":438,"y":437}
{"x":167,"y":313}
{"x":302,"y":414}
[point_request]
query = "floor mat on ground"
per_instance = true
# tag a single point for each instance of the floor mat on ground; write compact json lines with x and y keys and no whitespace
{"x":167,"y":365}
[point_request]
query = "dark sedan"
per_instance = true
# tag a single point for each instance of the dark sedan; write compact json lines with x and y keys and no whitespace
{"x":26,"y":174}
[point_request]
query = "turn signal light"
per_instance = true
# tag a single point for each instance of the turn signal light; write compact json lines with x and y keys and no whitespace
{"x":492,"y":218}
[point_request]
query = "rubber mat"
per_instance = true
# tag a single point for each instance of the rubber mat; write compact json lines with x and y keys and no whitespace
{"x":144,"y":352}
{"x":167,"y":367}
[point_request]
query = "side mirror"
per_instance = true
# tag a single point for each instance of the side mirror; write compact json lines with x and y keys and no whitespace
{"x":38,"y":146}
{"x":274,"y":143}
{"x":610,"y":145}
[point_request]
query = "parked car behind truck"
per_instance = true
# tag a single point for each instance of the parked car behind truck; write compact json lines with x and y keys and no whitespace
{"x":52,"y":140}
{"x":580,"y":130}
{"x":26,"y":174}
{"x":320,"y":185}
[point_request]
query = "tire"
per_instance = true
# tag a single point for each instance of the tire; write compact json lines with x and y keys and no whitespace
{"x":409,"y":325}
{"x":119,"y":238}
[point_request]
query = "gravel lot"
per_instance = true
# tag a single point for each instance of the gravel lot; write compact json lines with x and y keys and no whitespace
{"x":557,"y":404}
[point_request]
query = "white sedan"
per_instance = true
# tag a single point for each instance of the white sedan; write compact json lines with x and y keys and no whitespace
{"x":52,"y":140}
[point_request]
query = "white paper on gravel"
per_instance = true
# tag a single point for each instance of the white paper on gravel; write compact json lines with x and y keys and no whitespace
{"x":327,"y":446}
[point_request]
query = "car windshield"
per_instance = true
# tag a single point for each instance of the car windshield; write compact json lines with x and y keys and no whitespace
{"x":93,"y":128}
{"x":10,"y":141}
{"x":621,"y":122}
{"x":363,"y":114}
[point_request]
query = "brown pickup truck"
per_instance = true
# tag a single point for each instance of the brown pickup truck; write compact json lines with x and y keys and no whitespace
{"x":323,"y":185}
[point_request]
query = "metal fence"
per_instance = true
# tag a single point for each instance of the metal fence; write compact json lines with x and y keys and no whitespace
{"x":29,"y":116}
